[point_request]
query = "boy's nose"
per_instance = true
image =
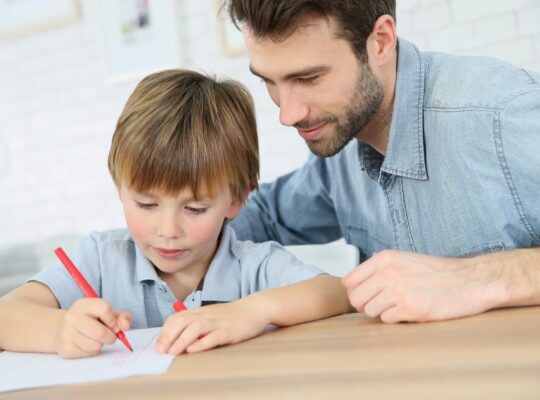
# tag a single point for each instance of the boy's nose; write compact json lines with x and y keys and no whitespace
{"x":169,"y":228}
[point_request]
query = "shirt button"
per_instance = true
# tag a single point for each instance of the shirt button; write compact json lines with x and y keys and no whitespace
{"x":162,"y":289}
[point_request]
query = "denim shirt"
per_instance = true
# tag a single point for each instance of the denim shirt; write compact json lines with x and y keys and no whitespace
{"x":461,"y":175}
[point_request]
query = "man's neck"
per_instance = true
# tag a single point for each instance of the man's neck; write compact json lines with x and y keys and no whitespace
{"x":377,"y":131}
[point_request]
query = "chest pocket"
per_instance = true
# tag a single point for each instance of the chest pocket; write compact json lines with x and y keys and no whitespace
{"x":483,"y":249}
{"x":367,"y":243}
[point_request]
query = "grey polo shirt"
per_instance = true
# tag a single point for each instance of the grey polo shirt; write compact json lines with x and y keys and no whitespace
{"x":120,"y":273}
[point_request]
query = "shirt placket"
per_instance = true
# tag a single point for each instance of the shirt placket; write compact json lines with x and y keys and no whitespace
{"x":392,"y":186}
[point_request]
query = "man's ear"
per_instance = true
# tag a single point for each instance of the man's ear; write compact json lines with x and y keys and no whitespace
{"x":382,"y":42}
{"x":234,"y":209}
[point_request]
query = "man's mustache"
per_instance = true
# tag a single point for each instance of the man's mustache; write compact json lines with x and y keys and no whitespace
{"x":307,"y":125}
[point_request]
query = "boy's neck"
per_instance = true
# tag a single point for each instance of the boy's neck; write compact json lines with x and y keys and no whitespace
{"x":182,"y":283}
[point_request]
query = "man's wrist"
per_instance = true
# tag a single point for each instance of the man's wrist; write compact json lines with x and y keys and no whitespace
{"x":509,"y":278}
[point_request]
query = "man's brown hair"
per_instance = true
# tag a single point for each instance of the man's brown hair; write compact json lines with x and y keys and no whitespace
{"x":184,"y":130}
{"x":279,"y":18}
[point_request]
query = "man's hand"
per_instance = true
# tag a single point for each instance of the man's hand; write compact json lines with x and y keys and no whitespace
{"x":87,"y":326}
{"x":399,"y":286}
{"x":207,"y":327}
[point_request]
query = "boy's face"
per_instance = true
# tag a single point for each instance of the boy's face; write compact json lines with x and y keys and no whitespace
{"x":178,"y":234}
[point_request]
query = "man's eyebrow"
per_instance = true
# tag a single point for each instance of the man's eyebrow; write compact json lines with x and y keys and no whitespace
{"x":318,"y":69}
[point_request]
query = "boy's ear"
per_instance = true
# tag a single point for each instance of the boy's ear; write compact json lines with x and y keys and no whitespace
{"x":234,"y":209}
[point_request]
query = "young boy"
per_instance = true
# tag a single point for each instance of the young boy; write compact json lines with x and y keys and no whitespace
{"x":184,"y":157}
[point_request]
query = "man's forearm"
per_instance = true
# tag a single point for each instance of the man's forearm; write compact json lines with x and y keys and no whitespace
{"x":513,"y":276}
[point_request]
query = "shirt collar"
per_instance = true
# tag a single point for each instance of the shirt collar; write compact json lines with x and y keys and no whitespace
{"x":405,"y":152}
{"x":221,"y":282}
{"x":144,"y":269}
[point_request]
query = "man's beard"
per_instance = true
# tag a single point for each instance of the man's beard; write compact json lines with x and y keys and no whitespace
{"x":362,"y":107}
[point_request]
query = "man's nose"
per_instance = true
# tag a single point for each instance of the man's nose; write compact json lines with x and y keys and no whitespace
{"x":292,"y":109}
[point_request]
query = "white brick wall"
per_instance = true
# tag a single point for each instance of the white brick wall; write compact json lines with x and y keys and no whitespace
{"x":57,"y":113}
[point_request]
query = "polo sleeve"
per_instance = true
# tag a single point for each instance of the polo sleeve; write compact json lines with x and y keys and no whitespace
{"x":280,"y":268}
{"x":294,"y":209}
{"x":85,"y":257}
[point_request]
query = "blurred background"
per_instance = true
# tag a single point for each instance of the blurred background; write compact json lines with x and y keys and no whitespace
{"x":68,"y":66}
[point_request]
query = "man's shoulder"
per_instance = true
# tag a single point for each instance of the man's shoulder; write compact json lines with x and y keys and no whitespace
{"x":471,"y":81}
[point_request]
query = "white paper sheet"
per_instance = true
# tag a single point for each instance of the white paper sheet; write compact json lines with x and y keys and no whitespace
{"x":29,"y":370}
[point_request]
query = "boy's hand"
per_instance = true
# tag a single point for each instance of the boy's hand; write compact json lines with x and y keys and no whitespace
{"x":207,"y":327}
{"x":88,"y":325}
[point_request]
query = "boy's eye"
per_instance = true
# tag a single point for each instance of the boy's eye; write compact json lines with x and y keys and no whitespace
{"x":196,"y":210}
{"x":146,"y":206}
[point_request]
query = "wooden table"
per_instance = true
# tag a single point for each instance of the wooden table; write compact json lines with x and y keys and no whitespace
{"x":491,"y":356}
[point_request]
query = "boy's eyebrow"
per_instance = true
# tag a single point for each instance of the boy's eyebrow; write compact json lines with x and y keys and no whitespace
{"x":186,"y":199}
{"x":318,"y":69}
{"x":145,"y":193}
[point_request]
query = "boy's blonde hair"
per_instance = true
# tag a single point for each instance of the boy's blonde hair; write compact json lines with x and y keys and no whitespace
{"x":181,"y":129}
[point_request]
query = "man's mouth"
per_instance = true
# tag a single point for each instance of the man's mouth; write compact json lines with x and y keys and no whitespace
{"x":311,"y":133}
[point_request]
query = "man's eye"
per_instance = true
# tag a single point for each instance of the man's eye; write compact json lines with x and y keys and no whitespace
{"x":146,"y":206}
{"x":308,"y":79}
{"x":267,"y":82}
{"x":196,"y":210}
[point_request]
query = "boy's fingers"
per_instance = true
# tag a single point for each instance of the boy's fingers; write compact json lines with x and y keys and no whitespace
{"x":96,"y":308}
{"x":96,"y":331}
{"x":87,"y":345}
{"x":171,"y":330}
{"x":79,"y":346}
{"x":192,"y":332}
{"x":101,"y":309}
{"x":123,"y":320}
{"x":107,"y":315}
{"x":213,"y":339}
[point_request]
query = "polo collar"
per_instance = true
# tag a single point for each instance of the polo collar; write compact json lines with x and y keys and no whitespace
{"x":221,"y":282}
{"x":144,"y":269}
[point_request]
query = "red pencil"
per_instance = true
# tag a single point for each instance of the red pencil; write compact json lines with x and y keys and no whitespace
{"x":85,"y":286}
{"x":179,"y":306}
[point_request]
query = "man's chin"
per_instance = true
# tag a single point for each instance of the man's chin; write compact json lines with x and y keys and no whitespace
{"x":322,"y":148}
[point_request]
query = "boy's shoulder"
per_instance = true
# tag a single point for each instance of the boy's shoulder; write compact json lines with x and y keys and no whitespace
{"x":247,"y":250}
{"x":113,"y":238}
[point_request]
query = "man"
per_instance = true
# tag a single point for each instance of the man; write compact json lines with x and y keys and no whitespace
{"x":440,"y":190}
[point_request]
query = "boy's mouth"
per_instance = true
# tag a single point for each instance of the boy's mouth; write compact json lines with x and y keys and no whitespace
{"x":168,"y":253}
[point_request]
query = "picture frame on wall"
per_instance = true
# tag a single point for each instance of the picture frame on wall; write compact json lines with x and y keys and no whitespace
{"x":139,"y":37}
{"x":230,"y":37}
{"x":21,"y":17}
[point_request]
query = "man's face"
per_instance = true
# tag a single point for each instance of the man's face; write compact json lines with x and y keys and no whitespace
{"x":318,"y":83}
